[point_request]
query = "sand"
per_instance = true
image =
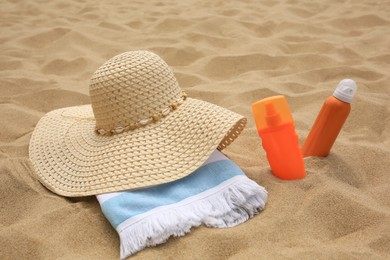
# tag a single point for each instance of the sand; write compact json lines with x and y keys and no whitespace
{"x":231,"y":53}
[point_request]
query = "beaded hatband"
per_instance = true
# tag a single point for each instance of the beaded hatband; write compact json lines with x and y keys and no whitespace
{"x":143,"y":122}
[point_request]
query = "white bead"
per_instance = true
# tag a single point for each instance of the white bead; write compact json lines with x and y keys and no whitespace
{"x":145,"y":121}
{"x":165,"y":111}
{"x":119,"y":129}
{"x":101,"y":131}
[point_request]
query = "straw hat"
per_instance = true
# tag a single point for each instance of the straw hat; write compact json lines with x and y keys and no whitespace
{"x":140,"y":130}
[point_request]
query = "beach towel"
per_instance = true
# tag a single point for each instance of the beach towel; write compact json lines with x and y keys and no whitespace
{"x":217,"y":194}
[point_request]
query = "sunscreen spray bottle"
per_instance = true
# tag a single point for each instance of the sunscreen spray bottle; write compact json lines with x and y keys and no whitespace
{"x":276,"y":128}
{"x":330,"y":120}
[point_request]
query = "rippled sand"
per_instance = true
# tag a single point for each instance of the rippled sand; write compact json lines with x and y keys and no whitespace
{"x":231,"y":53}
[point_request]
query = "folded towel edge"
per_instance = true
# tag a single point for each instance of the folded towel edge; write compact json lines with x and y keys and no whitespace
{"x":231,"y":205}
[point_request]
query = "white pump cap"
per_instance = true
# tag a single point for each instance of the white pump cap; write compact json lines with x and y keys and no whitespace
{"x":345,"y":90}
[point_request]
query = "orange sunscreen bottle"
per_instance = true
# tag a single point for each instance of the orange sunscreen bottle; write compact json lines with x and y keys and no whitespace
{"x":276,"y":128}
{"x":330,"y":120}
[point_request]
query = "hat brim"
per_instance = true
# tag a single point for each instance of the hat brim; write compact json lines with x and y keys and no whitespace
{"x":72,"y":160}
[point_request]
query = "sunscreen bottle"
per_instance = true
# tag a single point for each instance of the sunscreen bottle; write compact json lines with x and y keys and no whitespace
{"x":330,"y":120}
{"x":276,"y":128}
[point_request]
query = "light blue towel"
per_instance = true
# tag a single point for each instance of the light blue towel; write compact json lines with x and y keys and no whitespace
{"x":218,"y":194}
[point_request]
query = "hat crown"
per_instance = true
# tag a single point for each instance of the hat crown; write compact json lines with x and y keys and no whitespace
{"x":130,"y":87}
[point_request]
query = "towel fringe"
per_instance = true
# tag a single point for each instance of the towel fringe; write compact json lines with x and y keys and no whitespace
{"x":228,"y":207}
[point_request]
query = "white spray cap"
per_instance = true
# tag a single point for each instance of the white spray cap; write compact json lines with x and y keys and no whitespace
{"x":345,"y":90}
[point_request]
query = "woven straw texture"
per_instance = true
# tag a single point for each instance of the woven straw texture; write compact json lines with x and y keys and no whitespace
{"x":72,"y":159}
